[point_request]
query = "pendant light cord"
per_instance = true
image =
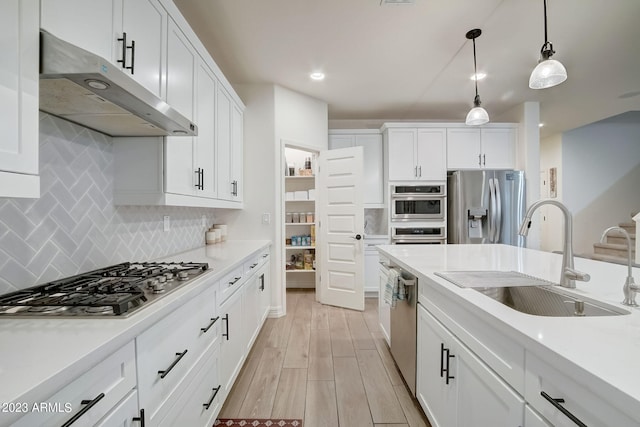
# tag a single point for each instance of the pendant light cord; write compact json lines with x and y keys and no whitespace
{"x":546,"y":39}
{"x":475,"y":68}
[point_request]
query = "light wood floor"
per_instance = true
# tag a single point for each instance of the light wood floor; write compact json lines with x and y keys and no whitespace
{"x":326,"y":365}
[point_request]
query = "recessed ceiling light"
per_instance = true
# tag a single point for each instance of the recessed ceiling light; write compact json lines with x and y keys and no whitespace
{"x":317,"y":76}
{"x":540,"y":125}
{"x":480,"y":76}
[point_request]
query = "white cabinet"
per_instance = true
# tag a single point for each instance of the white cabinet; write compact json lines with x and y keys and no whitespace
{"x":145,"y":24}
{"x":384,"y":309}
{"x":371,"y":142}
{"x":481,"y":148}
{"x":533,"y":419}
{"x":546,"y":384}
{"x":19,"y":81}
{"x":416,"y":154}
{"x":454,"y":387}
{"x":93,"y":395}
{"x":125,"y":414}
{"x":229,"y":140}
{"x":232,"y":344}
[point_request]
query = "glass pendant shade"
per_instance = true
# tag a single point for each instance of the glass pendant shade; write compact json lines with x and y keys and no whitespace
{"x":548,"y":73}
{"x":477,"y":116}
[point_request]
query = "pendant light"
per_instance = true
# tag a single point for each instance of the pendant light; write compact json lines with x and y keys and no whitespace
{"x":548,"y":72}
{"x":477,"y":115}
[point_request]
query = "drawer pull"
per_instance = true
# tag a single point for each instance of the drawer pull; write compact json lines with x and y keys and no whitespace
{"x":441,"y":360}
{"x":213,"y":321}
{"x":215,"y":393}
{"x":449,"y":356}
{"x":175,"y":362}
{"x":265,"y":255}
{"x":235,"y":279}
{"x":262,"y":282}
{"x":253,"y":265}
{"x":140,"y":418}
{"x":226,"y":319}
{"x":559,"y":407}
{"x":89,"y":404}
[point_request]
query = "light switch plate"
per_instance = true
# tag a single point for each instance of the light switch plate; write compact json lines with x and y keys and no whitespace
{"x":266,"y":218}
{"x":166,"y":223}
{"x":204,"y":220}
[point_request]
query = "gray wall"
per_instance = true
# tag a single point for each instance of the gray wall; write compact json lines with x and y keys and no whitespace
{"x":74,"y":226}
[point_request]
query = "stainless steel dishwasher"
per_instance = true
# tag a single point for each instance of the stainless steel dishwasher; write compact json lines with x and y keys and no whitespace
{"x":403,"y":330}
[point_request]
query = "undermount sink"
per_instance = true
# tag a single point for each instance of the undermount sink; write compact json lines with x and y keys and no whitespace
{"x":529,"y":294}
{"x":549,"y":301}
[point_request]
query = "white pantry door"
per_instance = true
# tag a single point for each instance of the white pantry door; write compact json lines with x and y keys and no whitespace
{"x":341,"y":228}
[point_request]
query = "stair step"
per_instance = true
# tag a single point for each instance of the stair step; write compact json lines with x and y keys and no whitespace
{"x":612,"y":249}
{"x":629,"y":226}
{"x":612,"y":259}
{"x":620,"y":240}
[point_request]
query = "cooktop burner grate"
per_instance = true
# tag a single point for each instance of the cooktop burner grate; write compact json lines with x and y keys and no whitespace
{"x":115,"y":290}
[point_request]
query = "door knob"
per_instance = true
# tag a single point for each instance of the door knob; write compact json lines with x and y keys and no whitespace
{"x":357,"y":237}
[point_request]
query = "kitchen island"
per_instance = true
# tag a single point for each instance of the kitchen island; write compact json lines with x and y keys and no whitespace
{"x":42,"y":356}
{"x":593,"y":359}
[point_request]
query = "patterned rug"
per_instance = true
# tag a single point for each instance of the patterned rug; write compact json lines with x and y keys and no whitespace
{"x":243,"y":422}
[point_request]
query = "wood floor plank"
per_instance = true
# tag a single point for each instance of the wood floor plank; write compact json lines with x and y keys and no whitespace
{"x":320,"y":355}
{"x":383,"y":402}
{"x":391,"y":425}
{"x":262,"y":340}
{"x":320,"y":407}
{"x":234,"y":401}
{"x":360,"y":334}
{"x":353,"y":407}
{"x":290,"y":397}
{"x":411,"y":408}
{"x":387,"y":361}
{"x":258,"y":402}
{"x":297,"y":352}
{"x":341,"y":344}
{"x":319,"y":316}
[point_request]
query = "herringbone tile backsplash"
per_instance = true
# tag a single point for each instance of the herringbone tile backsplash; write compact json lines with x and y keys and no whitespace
{"x":74,"y":226}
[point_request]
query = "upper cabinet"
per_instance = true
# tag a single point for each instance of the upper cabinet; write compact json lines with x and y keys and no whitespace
{"x":131,"y":34}
{"x":481,"y":148}
{"x":416,"y":154}
{"x":371,"y":142}
{"x":19,"y":99}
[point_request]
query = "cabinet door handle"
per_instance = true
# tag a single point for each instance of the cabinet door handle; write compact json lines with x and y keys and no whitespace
{"x":123,"y":61}
{"x":175,"y":362}
{"x":415,"y":171}
{"x":213,"y":321}
{"x":449,"y":356}
{"x":441,"y":360}
{"x":89,"y":404}
{"x":133,"y":56}
{"x":202,"y":179}
{"x":226,"y":319}
{"x":479,"y":159}
{"x":262,"y":282}
{"x":484,"y":159}
{"x":140,"y":418}
{"x":198,"y":185}
{"x":419,"y":171}
{"x":559,"y":407}
{"x":208,"y":404}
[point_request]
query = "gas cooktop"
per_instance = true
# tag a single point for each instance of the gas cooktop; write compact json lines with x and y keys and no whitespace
{"x":118,"y":290}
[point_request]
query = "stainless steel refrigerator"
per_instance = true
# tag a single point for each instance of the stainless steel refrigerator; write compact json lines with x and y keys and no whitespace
{"x":485,"y":206}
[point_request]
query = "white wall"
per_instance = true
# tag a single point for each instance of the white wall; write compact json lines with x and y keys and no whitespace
{"x":601,"y":176}
{"x":273,"y":114}
{"x":552,"y":223}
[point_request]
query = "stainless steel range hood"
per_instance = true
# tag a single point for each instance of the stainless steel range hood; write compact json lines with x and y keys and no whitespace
{"x":86,"y":89}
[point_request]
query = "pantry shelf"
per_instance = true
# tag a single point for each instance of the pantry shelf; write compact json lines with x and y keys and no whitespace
{"x":299,"y":247}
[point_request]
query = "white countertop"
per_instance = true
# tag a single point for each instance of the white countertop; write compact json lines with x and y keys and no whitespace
{"x":602,"y":351}
{"x":40,"y":355}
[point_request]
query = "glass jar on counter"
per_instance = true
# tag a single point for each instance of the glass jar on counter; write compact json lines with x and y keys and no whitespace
{"x":295,"y":217}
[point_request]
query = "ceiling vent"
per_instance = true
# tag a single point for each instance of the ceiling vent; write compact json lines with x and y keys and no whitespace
{"x":396,"y":2}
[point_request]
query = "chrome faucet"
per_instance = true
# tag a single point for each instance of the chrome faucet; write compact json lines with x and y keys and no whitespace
{"x":569,"y":274}
{"x":630,"y":288}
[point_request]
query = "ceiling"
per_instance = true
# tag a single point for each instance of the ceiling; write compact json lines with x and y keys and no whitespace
{"x":413,"y":62}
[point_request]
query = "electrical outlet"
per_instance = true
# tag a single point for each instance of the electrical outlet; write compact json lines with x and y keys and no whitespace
{"x":204,"y":221}
{"x":266,"y":218}
{"x":166,"y":223}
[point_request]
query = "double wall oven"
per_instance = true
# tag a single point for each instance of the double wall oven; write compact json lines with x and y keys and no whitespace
{"x":418,"y":214}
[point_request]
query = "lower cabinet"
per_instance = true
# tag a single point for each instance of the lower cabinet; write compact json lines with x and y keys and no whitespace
{"x":233,"y":343}
{"x":384,"y":309}
{"x":125,"y":414}
{"x":454,"y":387}
{"x":96,"y":395}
